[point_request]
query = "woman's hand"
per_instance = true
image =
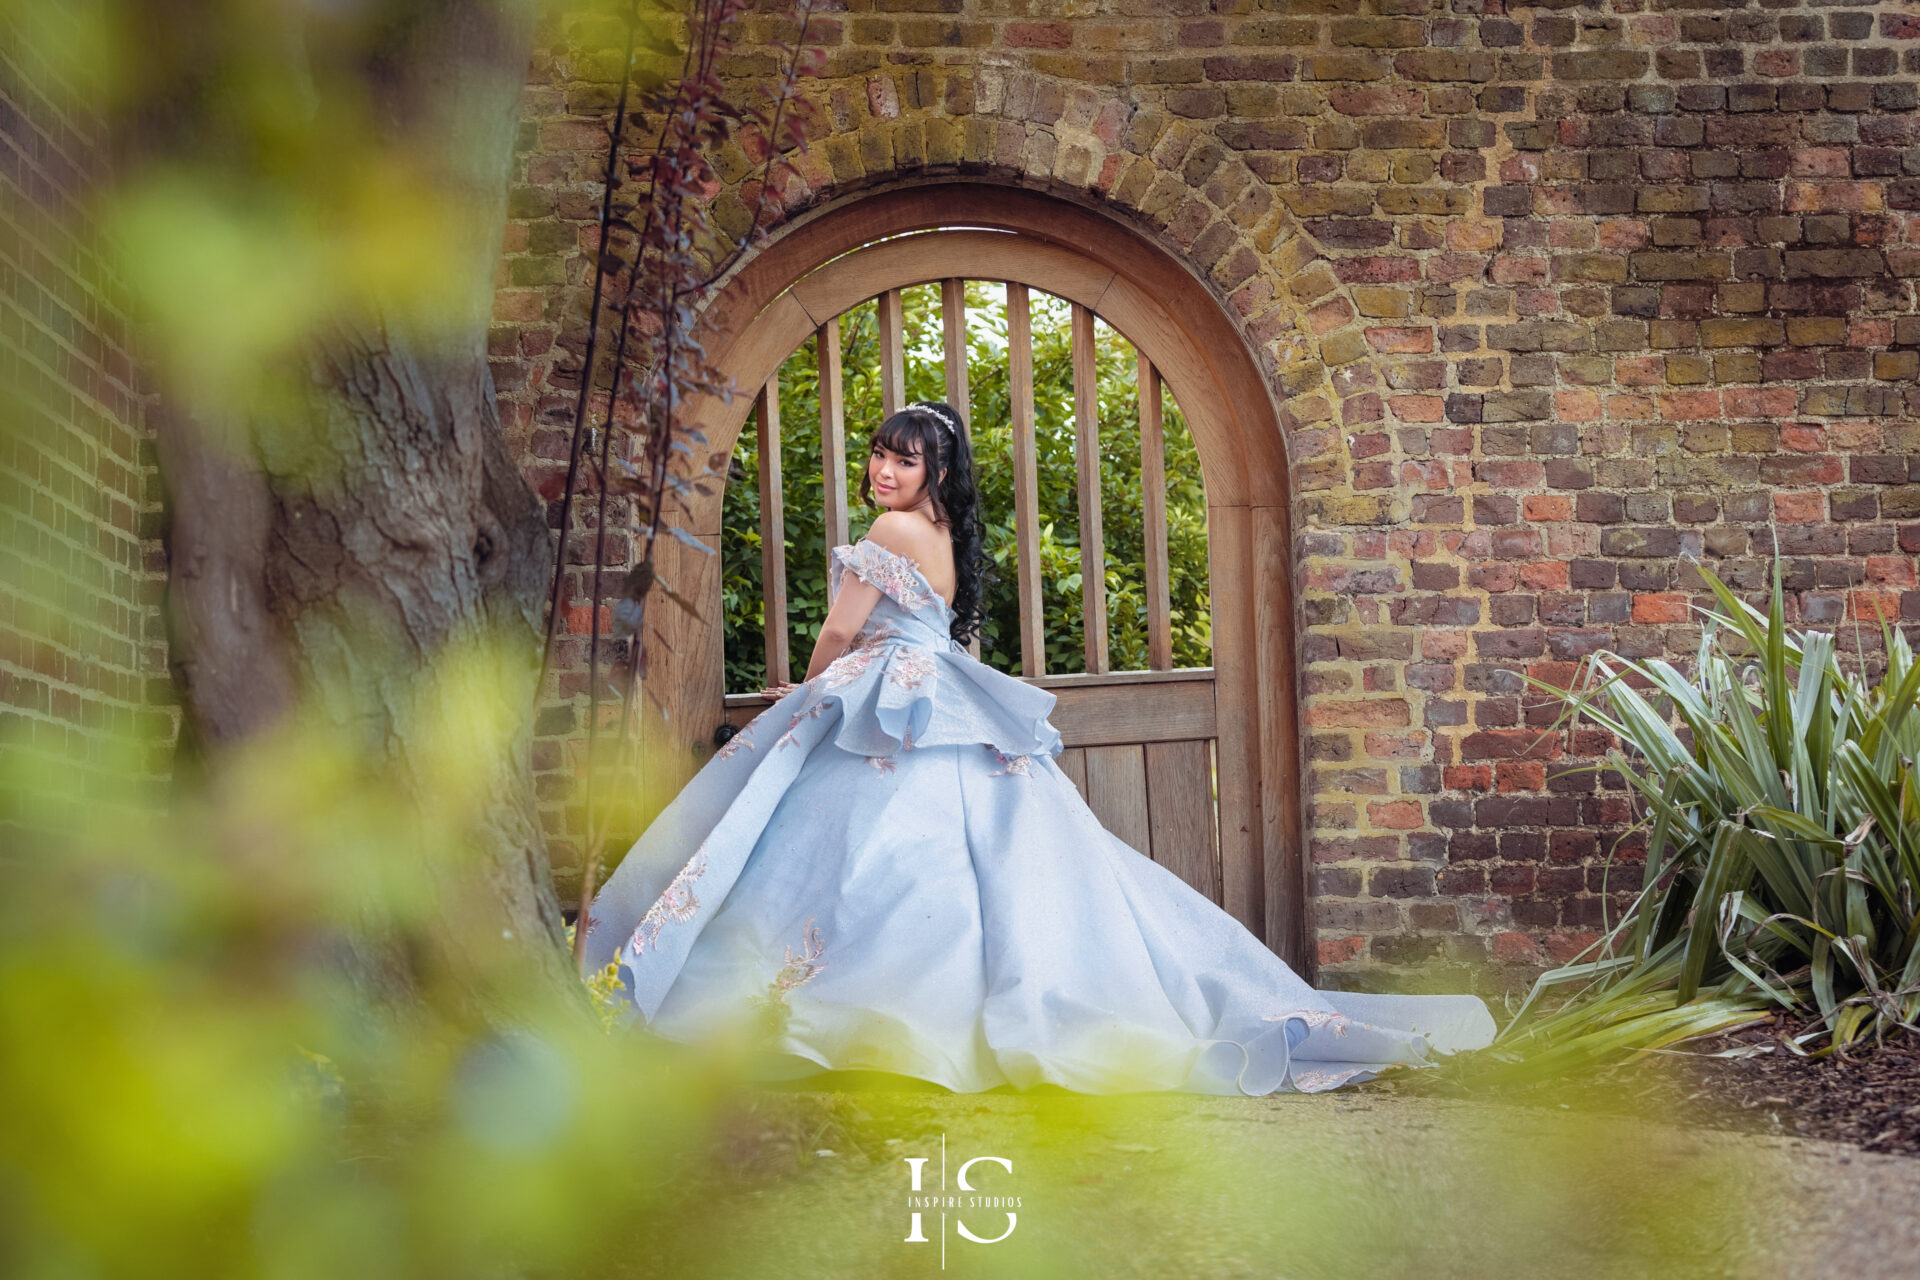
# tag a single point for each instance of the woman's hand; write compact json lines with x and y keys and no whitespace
{"x":773,"y":693}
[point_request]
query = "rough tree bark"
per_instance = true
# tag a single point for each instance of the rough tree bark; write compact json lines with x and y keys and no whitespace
{"x":327,"y":554}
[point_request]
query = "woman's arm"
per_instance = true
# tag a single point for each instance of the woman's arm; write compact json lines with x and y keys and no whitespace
{"x":895,"y":532}
{"x":844,"y":619}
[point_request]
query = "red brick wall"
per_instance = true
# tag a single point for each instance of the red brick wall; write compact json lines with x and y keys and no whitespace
{"x":81,"y":652}
{"x":1558,"y":301}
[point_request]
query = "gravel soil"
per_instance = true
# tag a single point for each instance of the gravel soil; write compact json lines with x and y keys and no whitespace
{"x":1356,"y":1183}
{"x":1868,"y":1097}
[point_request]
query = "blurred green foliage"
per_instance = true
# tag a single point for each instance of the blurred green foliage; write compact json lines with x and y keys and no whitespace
{"x":992,"y":427}
{"x":198,"y":1081}
{"x":196,"y":1086}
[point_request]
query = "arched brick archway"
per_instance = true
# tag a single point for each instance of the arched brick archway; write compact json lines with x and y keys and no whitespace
{"x":759,"y":316}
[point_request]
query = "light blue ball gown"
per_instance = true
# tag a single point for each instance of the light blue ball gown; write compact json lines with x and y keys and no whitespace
{"x":887,"y":871}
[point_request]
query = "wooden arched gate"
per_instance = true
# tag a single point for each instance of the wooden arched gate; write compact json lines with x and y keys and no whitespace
{"x":1139,"y":744}
{"x":1151,"y":749}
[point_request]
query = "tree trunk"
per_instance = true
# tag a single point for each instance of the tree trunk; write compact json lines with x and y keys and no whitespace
{"x":365,"y":554}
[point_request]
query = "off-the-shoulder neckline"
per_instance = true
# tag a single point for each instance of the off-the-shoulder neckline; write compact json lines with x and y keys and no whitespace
{"x":912,"y":564}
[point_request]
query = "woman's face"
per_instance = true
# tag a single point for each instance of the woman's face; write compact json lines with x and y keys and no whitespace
{"x":898,"y":480}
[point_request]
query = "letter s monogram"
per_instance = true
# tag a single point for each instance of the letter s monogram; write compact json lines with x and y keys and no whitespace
{"x":1013,"y":1218}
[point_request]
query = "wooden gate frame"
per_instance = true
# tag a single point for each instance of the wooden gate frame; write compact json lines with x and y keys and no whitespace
{"x":785,"y":292}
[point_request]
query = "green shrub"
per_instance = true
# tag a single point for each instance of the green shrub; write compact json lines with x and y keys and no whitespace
{"x":1783,"y":843}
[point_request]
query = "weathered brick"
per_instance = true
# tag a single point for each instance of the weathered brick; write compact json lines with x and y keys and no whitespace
{"x":1601,"y":64}
{"x":1675,"y":323}
{"x":1640,"y":541}
{"x":1833,"y":263}
{"x":85,"y":694}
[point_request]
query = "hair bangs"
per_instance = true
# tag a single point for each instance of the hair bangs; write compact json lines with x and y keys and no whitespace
{"x":903,"y":433}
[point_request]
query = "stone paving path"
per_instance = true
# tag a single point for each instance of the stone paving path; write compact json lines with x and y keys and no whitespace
{"x":1335,"y":1186}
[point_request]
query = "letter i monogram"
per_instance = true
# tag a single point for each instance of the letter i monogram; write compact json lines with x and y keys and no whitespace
{"x":915,"y":1235}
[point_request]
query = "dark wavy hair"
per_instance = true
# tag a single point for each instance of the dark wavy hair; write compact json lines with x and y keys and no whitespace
{"x":918,"y":431}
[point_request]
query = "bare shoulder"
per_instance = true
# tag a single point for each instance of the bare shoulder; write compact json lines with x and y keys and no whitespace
{"x":908,"y":533}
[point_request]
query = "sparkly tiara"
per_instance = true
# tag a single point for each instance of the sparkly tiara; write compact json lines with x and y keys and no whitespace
{"x":945,"y":418}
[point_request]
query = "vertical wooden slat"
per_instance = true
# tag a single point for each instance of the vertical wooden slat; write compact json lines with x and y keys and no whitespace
{"x":773,"y":535}
{"x":1086,"y":449}
{"x":893,"y":366}
{"x":833,"y":438}
{"x":953,"y":324}
{"x":1117,"y":792}
{"x":1237,"y":693}
{"x":1180,"y":811}
{"x":953,"y":340}
{"x":683,"y":696}
{"x":1213,"y":791}
{"x":1073,"y":763}
{"x":1026,"y":479}
{"x":1153,"y":518}
{"x":1283,"y":859}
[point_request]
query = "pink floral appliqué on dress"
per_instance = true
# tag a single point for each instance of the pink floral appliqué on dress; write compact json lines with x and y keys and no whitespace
{"x":910,"y":667}
{"x":1314,"y":1018}
{"x":900,"y":576}
{"x":676,"y":904}
{"x":735,"y":743}
{"x":787,"y":739}
{"x":1314,"y":1079}
{"x":1020,"y":764}
{"x":772,"y":1007}
{"x":800,"y":968}
{"x":848,"y":667}
{"x":881,"y":633}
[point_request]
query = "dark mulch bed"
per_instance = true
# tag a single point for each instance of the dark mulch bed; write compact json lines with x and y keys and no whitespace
{"x":1869,"y":1097}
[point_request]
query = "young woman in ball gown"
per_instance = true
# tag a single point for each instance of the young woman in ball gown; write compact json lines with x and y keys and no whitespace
{"x":887,"y":870}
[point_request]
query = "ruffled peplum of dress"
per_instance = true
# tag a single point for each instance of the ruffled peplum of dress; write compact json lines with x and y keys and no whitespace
{"x":887,"y":871}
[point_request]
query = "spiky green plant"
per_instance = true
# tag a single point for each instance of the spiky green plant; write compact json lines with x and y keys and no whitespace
{"x":1783,"y":845}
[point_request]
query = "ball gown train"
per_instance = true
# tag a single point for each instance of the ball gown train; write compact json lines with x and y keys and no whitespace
{"x":889,"y":861}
